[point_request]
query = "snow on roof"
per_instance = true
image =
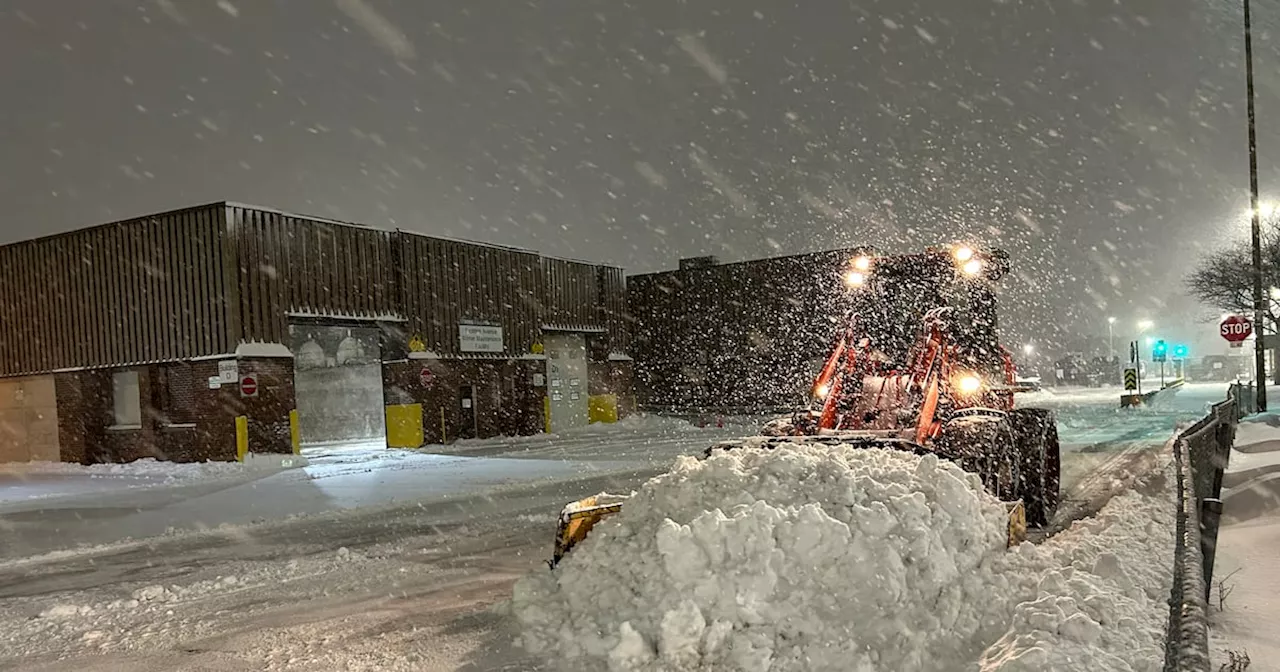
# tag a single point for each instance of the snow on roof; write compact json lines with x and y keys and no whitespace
{"x":428,"y":354}
{"x":383,"y":317}
{"x":569,"y":326}
{"x":257,"y":349}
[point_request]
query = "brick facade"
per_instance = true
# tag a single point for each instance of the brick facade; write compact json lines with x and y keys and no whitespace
{"x":182,"y":418}
{"x":506,"y":402}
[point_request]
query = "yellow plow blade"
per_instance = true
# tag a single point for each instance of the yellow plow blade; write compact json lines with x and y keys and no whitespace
{"x":577,"y":519}
{"x":1017,"y":523}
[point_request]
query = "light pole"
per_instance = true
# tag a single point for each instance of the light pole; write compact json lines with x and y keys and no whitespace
{"x":1143,"y":326}
{"x":1111,"y":336}
{"x":1259,"y":349}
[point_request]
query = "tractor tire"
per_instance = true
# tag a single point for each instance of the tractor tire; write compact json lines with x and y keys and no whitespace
{"x":985,"y":446}
{"x":1036,"y":435}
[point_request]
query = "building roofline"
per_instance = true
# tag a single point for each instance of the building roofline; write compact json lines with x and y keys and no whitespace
{"x":298,"y":215}
{"x":115,"y":222}
{"x":745,"y":261}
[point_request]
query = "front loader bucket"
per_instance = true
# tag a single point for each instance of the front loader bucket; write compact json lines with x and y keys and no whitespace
{"x":577,"y":519}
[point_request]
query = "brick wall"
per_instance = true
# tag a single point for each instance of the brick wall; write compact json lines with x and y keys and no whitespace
{"x":506,"y":402}
{"x":183,"y":419}
{"x":268,"y":413}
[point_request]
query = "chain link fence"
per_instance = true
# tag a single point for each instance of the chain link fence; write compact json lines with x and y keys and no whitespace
{"x":1201,"y":454}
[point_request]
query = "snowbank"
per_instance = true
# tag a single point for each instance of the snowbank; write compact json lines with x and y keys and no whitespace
{"x":1248,"y":544}
{"x":833,"y":558}
{"x":165,"y":471}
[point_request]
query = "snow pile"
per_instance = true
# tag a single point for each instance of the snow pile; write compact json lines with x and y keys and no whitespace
{"x":796,"y":558}
{"x":1101,"y":589}
{"x":150,"y":468}
{"x":834,"y":558}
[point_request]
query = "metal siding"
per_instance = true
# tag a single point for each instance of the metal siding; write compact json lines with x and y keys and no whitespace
{"x":115,"y":294}
{"x":295,"y":264}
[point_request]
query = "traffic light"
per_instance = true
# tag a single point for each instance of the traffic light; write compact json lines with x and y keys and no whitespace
{"x":1179,"y":352}
{"x":1160,"y":352}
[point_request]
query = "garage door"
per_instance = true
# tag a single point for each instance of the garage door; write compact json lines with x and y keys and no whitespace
{"x":337,"y":378}
{"x":28,"y":420}
{"x":567,"y":380}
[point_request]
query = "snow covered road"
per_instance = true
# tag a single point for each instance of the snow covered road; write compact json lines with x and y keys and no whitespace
{"x":431,"y":542}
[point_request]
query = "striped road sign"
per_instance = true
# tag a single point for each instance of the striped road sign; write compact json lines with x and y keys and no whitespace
{"x":1130,"y":379}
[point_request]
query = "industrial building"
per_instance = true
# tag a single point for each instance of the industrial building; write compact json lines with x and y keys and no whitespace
{"x":207,"y":332}
{"x":746,"y":336}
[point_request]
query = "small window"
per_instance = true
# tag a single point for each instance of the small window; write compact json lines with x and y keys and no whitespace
{"x":127,"y":401}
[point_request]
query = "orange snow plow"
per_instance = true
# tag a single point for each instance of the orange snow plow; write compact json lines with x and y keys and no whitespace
{"x":917,"y":366}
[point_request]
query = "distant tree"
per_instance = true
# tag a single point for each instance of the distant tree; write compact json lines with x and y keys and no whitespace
{"x":1223,"y":279}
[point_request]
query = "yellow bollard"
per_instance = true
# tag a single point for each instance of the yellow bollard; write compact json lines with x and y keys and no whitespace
{"x":295,"y":434}
{"x":242,"y":437}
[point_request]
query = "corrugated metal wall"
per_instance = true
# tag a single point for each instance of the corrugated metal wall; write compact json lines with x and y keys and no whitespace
{"x":142,"y":290}
{"x":289,"y":264}
{"x":613,"y":307}
{"x":196,"y":282}
{"x":571,"y":293}
{"x":446,"y":283}
{"x":741,"y":335}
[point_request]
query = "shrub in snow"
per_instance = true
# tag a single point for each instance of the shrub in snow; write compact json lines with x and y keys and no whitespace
{"x":834,"y":558}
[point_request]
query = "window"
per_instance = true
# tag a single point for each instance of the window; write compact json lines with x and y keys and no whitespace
{"x":127,"y":401}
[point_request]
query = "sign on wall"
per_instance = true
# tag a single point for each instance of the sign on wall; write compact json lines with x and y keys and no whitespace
{"x":249,"y":386}
{"x":228,"y":371}
{"x":479,"y":338}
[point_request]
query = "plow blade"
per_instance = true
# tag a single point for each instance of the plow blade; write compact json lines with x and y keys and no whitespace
{"x":577,"y":519}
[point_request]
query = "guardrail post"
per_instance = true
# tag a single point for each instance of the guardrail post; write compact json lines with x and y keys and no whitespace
{"x":1210,"y":516}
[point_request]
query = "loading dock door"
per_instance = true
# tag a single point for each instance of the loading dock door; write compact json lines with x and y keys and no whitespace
{"x":567,"y":380}
{"x":337,"y":375}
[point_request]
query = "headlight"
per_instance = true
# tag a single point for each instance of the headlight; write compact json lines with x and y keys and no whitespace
{"x":855,"y":279}
{"x":963,"y":253}
{"x":862,"y":264}
{"x":972,"y":267}
{"x":968,"y":384}
{"x":822,"y":391}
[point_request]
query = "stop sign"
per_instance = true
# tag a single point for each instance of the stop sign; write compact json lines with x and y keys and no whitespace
{"x":248,"y":386}
{"x":1236,"y":328}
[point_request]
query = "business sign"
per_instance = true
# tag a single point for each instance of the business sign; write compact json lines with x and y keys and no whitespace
{"x":478,"y":338}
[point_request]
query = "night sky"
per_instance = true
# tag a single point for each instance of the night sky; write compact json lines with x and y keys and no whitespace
{"x":1102,"y":143}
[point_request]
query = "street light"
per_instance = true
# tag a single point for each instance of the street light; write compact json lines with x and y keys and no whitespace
{"x":1145,"y":325}
{"x":1255,"y":229}
{"x":1028,"y":349}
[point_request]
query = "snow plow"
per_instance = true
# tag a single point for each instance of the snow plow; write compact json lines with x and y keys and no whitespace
{"x":916,"y":366}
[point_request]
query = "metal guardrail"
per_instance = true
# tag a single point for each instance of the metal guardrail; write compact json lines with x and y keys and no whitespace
{"x":1201,"y":454}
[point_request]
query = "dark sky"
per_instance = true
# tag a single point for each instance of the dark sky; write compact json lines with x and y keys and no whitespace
{"x":1100,"y":141}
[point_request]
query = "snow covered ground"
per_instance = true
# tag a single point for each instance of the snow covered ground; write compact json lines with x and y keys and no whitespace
{"x":830,"y":558}
{"x":1245,"y":600}
{"x":433,"y":541}
{"x":59,"y":507}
